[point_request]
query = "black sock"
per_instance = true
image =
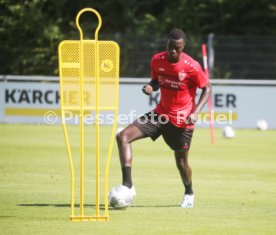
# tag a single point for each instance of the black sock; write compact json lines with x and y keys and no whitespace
{"x":189,"y":189}
{"x":126,"y":172}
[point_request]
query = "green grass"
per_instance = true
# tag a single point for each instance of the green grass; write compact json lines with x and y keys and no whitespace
{"x":234,"y":183}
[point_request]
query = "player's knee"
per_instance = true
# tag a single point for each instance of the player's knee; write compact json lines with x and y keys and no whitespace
{"x":181,"y":158}
{"x":122,"y":137}
{"x":183,"y":167}
{"x":179,"y":164}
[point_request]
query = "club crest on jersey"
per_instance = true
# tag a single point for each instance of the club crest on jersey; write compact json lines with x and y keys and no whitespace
{"x":182,"y":76}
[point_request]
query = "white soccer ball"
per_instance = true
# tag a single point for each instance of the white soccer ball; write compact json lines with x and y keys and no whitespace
{"x":262,"y":125}
{"x":120,"y":197}
{"x":228,"y":132}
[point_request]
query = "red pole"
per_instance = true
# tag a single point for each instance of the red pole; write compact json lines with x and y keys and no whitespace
{"x":210,"y":103}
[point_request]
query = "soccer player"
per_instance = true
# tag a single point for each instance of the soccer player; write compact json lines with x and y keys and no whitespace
{"x":178,"y":76}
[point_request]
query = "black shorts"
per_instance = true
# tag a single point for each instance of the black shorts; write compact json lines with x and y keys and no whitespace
{"x":153,"y":126}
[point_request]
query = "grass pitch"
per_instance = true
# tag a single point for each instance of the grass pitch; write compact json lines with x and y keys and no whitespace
{"x":234,"y":183}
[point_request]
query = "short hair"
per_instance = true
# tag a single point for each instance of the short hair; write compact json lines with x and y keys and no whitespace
{"x":176,"y":34}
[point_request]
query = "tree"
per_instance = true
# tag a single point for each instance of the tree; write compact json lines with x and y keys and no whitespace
{"x":30,"y":30}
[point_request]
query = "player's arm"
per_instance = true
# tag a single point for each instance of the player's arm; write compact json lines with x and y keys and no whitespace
{"x":204,"y":96}
{"x":150,"y":87}
{"x":202,"y":82}
{"x":153,"y":85}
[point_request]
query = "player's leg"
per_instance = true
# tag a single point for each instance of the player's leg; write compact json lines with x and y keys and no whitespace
{"x":144,"y":126}
{"x":124,"y":140}
{"x":117,"y":196}
{"x":182,"y":163}
{"x":179,"y":140}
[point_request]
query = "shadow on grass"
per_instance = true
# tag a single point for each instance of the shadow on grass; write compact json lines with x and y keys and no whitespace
{"x":154,"y":206}
{"x":93,"y":205}
{"x":58,"y":205}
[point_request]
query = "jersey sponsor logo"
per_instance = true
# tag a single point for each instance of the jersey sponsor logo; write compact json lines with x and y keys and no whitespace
{"x":161,"y":69}
{"x":182,"y":76}
{"x":170,"y":83}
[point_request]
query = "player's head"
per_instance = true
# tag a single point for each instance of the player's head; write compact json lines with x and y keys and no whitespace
{"x":175,"y":44}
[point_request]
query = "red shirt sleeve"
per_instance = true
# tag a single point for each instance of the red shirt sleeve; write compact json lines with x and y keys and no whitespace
{"x":201,"y":79}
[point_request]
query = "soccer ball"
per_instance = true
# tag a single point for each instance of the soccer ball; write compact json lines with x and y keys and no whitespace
{"x":228,"y":132}
{"x":262,"y":125}
{"x":120,"y":197}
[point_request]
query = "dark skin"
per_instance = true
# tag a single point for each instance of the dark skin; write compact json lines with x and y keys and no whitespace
{"x":132,"y":133}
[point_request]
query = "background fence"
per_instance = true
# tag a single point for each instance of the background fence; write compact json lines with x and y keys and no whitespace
{"x":235,"y":57}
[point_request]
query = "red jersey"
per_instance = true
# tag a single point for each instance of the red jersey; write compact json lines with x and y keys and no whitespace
{"x":178,"y":83}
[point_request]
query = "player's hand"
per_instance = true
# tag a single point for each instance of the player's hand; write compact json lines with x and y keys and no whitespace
{"x":147,"y":89}
{"x":192,"y":119}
